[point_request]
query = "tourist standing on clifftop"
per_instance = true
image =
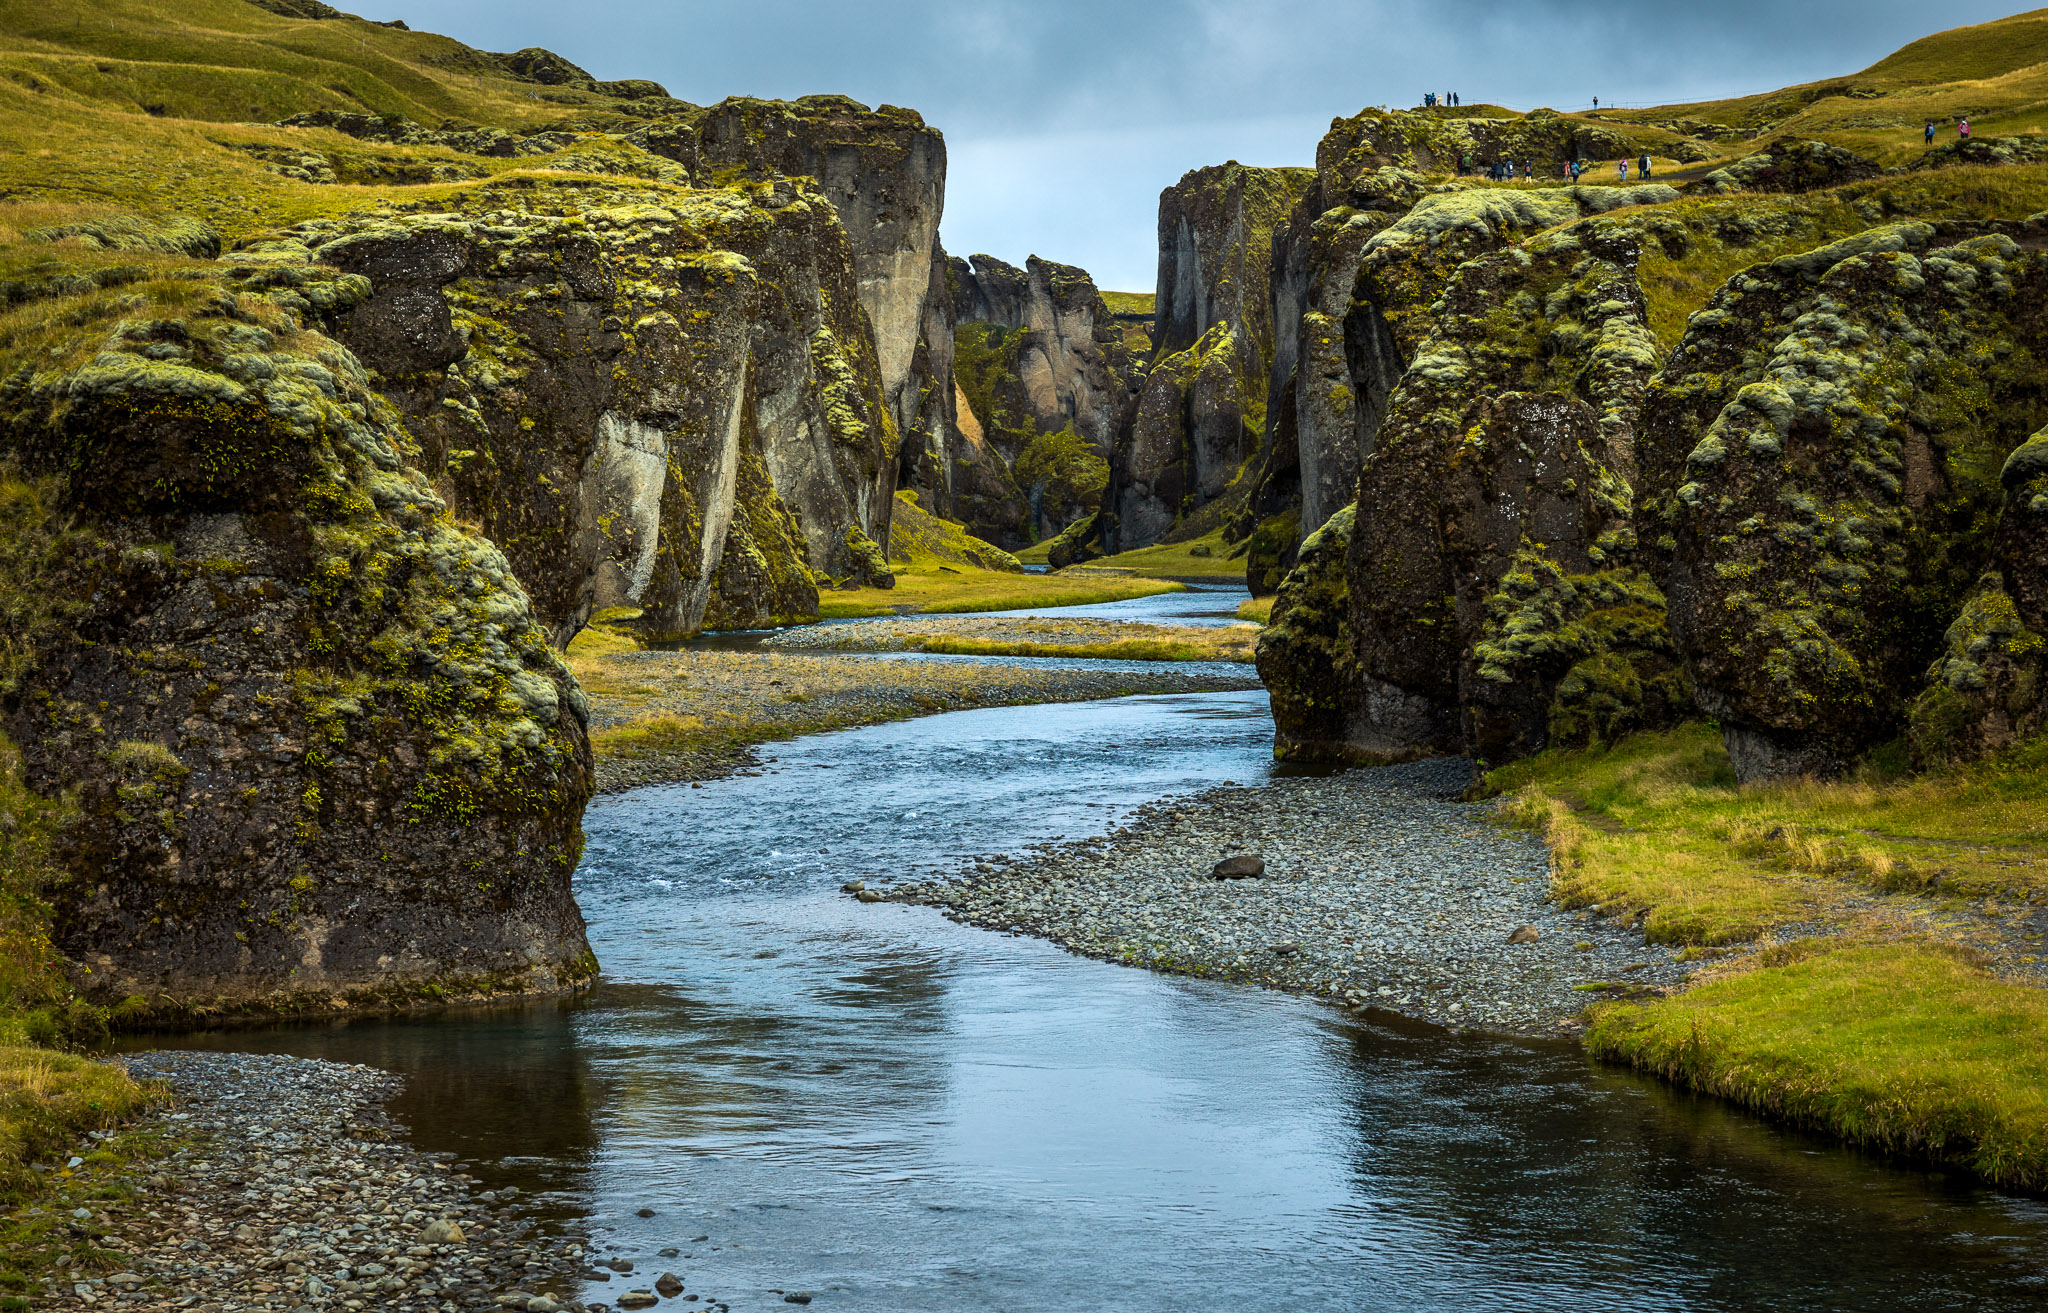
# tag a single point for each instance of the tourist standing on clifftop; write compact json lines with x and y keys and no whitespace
{"x":1621,"y":169}
{"x":1643,"y":166}
{"x":1963,"y":129}
{"x":1930,"y":133}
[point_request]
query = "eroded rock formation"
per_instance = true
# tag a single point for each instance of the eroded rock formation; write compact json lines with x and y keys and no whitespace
{"x":1203,"y":407}
{"x":321,"y":748}
{"x":610,"y":380}
{"x":1823,"y":454}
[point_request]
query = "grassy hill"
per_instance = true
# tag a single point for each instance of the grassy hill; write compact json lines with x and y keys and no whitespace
{"x":1995,"y":74}
{"x":147,"y":106}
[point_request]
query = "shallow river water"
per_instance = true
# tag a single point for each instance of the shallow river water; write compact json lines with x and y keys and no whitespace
{"x":895,"y":1113}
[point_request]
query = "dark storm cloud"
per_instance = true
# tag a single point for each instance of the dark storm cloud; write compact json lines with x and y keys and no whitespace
{"x":1064,"y":118}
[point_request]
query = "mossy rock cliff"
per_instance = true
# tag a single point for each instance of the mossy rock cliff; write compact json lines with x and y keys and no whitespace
{"x":1822,"y":459}
{"x":320,"y":750}
{"x":584,"y":363}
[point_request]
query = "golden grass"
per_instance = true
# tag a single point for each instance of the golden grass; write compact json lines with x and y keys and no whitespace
{"x":1905,"y":1048}
{"x":1207,"y":557}
{"x":1229,"y":643}
{"x":969,"y":590}
{"x":1750,"y":855}
{"x":1259,"y":610}
{"x":1886,"y":1037}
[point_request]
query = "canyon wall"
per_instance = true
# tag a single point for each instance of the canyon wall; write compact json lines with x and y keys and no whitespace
{"x":1529,"y":503}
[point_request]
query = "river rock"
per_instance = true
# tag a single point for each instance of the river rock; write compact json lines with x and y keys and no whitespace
{"x":669,"y":1285}
{"x":638,"y":1299}
{"x":868,"y":896}
{"x":1242,"y":867}
{"x":1527,"y":934}
{"x":441,"y":1231}
{"x":797,"y":1297}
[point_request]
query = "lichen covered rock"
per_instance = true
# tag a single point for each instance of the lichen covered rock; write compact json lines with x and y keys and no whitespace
{"x":1495,"y":604}
{"x":581,"y":365}
{"x":1790,"y":166}
{"x":322,"y":752}
{"x":1821,"y":462}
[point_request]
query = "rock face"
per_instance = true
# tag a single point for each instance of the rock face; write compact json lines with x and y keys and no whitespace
{"x":1047,"y":380}
{"x":659,"y":400}
{"x":321,"y":748}
{"x":1071,"y":365}
{"x":1492,"y":603}
{"x":1360,"y":261}
{"x":1203,"y":406}
{"x":1215,"y":242}
{"x":1823,"y":453}
{"x":1984,"y":689}
{"x":883,"y":172}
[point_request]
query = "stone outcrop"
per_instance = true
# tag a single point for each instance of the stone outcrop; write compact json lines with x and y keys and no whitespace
{"x":609,"y":380}
{"x":1186,"y":441}
{"x":1984,"y":688}
{"x":1215,"y":244}
{"x":1494,"y":604}
{"x":1203,"y":406}
{"x":1822,"y":456}
{"x":1425,"y":142}
{"x":883,"y":171}
{"x":1048,"y":381}
{"x":1357,"y":266}
{"x":321,"y":750}
{"x":1790,"y":166}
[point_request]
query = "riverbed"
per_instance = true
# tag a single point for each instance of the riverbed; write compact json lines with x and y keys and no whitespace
{"x":883,"y":1110}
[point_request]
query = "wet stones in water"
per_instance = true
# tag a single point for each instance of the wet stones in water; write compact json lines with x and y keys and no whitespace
{"x":669,"y":1286}
{"x":1527,"y":934}
{"x":853,"y":886}
{"x":797,"y":1297}
{"x":619,"y":1265}
{"x":868,"y":896}
{"x":645,"y":1212}
{"x":670,"y":1252}
{"x":638,"y":1299}
{"x":1241,"y":867}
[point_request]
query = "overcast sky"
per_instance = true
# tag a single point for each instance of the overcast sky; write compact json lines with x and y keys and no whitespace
{"x":1064,"y":118}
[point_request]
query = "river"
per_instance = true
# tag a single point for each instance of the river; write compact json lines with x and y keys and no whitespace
{"x":899,"y":1114}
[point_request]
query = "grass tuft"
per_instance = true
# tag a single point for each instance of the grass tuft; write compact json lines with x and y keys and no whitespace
{"x":1908,"y":1049}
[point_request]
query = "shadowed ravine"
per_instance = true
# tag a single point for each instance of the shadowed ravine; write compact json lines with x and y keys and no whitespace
{"x":897,"y":1113}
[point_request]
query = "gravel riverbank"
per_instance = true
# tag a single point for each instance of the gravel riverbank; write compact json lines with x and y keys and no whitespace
{"x":1380,"y":890}
{"x":291,"y":1191}
{"x":674,"y":717}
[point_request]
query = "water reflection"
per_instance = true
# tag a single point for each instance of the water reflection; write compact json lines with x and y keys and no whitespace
{"x":900,"y":1114}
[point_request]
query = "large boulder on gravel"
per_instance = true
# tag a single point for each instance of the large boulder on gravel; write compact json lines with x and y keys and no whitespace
{"x":1821,"y":460}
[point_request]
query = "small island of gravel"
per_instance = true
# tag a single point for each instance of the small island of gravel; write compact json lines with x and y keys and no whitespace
{"x":1380,"y":889}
